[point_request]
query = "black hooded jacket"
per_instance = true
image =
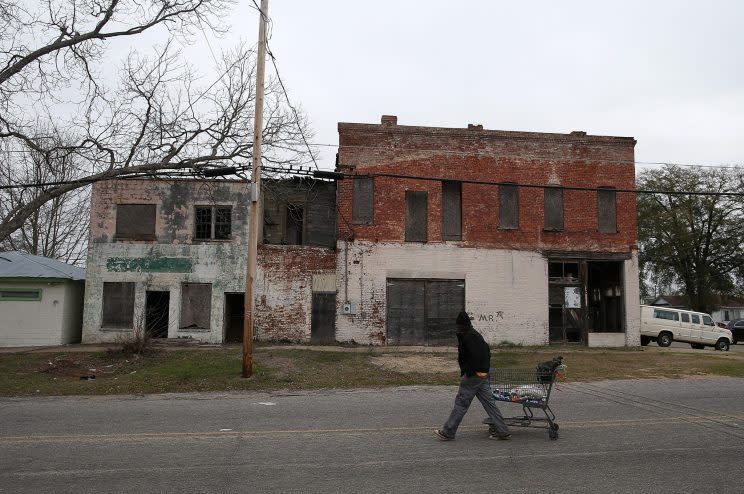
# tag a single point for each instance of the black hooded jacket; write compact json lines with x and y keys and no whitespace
{"x":473,"y":353}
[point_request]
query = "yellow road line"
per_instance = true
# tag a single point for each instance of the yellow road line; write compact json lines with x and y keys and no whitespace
{"x":144,"y":436}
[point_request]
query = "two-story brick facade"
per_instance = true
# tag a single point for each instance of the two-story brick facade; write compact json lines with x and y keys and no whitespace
{"x":169,"y":256}
{"x":435,"y":220}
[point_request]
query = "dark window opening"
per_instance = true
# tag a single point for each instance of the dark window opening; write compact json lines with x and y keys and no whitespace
{"x":553,"y":197}
{"x":605,"y":306}
{"x":452,"y":210}
{"x":606,"y":210}
{"x":508,"y":207}
{"x":212,"y":223}
{"x":685,"y":317}
{"x":295,"y":221}
{"x":196,"y":305}
{"x":135,"y":221}
{"x":416,"y":216}
{"x":118,"y":305}
{"x":363,"y":201}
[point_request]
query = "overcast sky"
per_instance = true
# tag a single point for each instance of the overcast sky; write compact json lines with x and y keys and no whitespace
{"x":668,"y":73}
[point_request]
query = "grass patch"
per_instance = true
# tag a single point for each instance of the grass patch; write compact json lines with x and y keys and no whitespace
{"x":293,"y":368}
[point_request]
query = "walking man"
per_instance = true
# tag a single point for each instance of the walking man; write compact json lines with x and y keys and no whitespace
{"x":474,"y":357}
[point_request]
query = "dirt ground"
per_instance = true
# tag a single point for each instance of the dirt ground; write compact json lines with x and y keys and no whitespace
{"x":423,"y":364}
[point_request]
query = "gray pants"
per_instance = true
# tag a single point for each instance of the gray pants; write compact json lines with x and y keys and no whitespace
{"x":470,"y":387}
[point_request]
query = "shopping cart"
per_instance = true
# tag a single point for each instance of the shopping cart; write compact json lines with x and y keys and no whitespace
{"x":530,"y":388}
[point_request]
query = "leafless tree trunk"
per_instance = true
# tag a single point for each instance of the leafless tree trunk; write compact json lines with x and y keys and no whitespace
{"x":157,"y":118}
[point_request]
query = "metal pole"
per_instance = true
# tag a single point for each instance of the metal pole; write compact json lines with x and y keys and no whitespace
{"x":255,"y":196}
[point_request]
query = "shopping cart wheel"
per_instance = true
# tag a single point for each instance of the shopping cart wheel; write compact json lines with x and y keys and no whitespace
{"x":553,"y":432}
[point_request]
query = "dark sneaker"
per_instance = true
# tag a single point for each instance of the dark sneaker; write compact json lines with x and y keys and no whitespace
{"x":442,"y":436}
{"x":500,"y":437}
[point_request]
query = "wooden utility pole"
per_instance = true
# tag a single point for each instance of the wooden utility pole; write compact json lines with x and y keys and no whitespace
{"x":254,"y":226}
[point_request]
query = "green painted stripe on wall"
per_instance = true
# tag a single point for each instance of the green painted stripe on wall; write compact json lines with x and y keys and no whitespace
{"x":149,"y":264}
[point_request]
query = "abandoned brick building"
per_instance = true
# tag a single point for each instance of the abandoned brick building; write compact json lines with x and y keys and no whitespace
{"x":169,"y":256}
{"x":436,"y":220}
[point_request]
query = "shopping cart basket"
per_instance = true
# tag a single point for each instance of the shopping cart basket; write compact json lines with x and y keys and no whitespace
{"x":530,"y":388}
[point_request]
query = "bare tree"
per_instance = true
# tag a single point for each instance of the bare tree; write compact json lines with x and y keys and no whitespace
{"x":157,"y":118}
{"x":59,"y":228}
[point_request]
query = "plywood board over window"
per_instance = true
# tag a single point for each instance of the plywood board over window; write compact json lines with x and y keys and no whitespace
{"x":363,"y":203}
{"x":508,"y":207}
{"x":416,"y":216}
{"x":553,"y":208}
{"x":606,"y":210}
{"x":118,"y":305}
{"x":135,"y":221}
{"x":452,"y":210}
{"x":196,"y":305}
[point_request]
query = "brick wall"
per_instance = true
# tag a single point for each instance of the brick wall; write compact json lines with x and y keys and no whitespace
{"x":575,"y":159}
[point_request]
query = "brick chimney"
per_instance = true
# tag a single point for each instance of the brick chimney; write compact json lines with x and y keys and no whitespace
{"x":389,"y":120}
{"x":475,"y":126}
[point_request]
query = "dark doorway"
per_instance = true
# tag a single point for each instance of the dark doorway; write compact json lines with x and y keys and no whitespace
{"x":156,"y":314}
{"x":323,"y":322}
{"x":566,"y":304}
{"x":423,"y":312}
{"x":234,"y":314}
{"x":605,"y":288}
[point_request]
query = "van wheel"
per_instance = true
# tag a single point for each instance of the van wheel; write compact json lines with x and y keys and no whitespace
{"x":645,"y":340}
{"x":697,"y":346}
{"x":664,"y":339}
{"x":722,"y":345}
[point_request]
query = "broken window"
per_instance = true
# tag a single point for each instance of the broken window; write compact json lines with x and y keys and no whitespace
{"x":508,"y":207}
{"x":452,"y":210}
{"x":295,"y":221}
{"x":212,"y":222}
{"x":362,"y":205}
{"x":118,"y":305}
{"x":606,"y":215}
{"x":135,"y":221}
{"x":553,"y":208}
{"x":416,"y":216}
{"x":196,"y":305}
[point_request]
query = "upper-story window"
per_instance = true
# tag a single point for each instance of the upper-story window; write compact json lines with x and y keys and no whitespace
{"x":606,"y":210}
{"x":451,"y":210}
{"x":416,"y":216}
{"x":212,"y":222}
{"x":363,"y":201}
{"x":508,"y":206}
{"x":295,"y":222}
{"x":553,"y":197}
{"x":135,"y":221}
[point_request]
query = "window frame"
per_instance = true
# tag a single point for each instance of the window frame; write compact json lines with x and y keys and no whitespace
{"x":181,"y":326}
{"x":602,"y":225}
{"x":512,"y":187}
{"x":410,"y":234}
{"x":658,"y":312}
{"x":451,"y":231}
{"x":360,"y":215}
{"x":212,"y":223}
{"x":145,"y":237}
{"x":130,"y":285}
{"x":33,"y":298}
{"x":547,"y":191}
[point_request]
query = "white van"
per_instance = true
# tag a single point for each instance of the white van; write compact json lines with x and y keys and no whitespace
{"x":665,"y":325}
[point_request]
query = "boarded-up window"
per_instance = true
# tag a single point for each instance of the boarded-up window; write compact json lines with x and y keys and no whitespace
{"x":362,"y":207}
{"x":416,"y":215}
{"x":452,"y":210}
{"x":135,"y":221}
{"x":118,"y":305}
{"x":196,"y":305}
{"x":212,"y":222}
{"x":606,"y":210}
{"x":508,"y":207}
{"x":553,"y":208}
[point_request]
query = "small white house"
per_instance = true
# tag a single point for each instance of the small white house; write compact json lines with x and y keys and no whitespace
{"x":41,"y":301}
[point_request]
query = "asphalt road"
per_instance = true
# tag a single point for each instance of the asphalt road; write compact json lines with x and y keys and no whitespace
{"x":625,"y":436}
